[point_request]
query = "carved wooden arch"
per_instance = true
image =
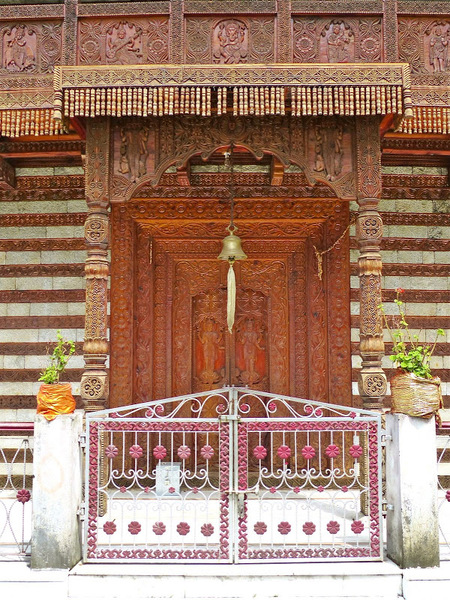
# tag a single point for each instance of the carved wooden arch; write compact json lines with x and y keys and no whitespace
{"x":323,"y":147}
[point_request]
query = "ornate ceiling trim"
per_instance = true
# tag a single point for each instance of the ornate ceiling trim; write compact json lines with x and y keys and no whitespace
{"x":337,"y":7}
{"x":427,"y":119}
{"x":234,"y":8}
{"x":46,"y":11}
{"x":124,"y":9}
{"x":306,"y":89}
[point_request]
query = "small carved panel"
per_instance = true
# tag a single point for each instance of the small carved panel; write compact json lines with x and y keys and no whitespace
{"x":337,"y":40}
{"x":424,"y":44}
{"x":133,"y":153}
{"x":124,"y":42}
{"x":329,"y":148}
{"x":251,"y":340}
{"x":29,"y":48}
{"x":230,"y":41}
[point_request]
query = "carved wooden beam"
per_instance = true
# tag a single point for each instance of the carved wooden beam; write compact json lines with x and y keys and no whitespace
{"x":369,"y":229}
{"x":276,"y":172}
{"x":7,"y":175}
{"x":94,"y":382}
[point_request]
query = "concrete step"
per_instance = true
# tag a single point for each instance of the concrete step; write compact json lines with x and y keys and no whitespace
{"x":317,"y":581}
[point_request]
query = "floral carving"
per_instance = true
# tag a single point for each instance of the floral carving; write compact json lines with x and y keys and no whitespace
{"x":207,"y":529}
{"x":111,"y":451}
{"x":109,"y":527}
{"x":183,"y":528}
{"x":136,"y":452}
{"x":23,"y":496}
{"x":284,"y":527}
{"x":159,"y":452}
{"x":309,"y":528}
{"x":260,"y":528}
{"x":207,"y":452}
{"x":332,"y":451}
{"x":260,"y":452}
{"x":355,"y":451}
{"x":308,"y":452}
{"x":184,"y":452}
{"x":333,"y":527}
{"x":134,"y":527}
{"x":159,"y":528}
{"x":284,"y":452}
{"x":357,"y":527}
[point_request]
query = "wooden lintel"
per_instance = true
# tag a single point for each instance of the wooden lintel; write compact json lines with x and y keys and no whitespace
{"x":276,"y":172}
{"x":409,"y":152}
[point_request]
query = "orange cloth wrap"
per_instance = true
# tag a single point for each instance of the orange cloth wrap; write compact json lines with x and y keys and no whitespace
{"x":55,"y":399}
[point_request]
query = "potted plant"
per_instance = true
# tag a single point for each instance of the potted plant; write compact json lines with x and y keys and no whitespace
{"x":414,"y":390}
{"x":55,"y":398}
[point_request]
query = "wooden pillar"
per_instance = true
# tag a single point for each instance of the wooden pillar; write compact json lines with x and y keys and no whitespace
{"x":94,"y":381}
{"x":369,"y":230}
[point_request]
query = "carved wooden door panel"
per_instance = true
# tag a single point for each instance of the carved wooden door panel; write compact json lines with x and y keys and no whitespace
{"x":205,"y":354}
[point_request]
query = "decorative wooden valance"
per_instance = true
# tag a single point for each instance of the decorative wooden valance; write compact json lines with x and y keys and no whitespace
{"x":16,"y":123}
{"x":427,"y":119}
{"x":202,"y":90}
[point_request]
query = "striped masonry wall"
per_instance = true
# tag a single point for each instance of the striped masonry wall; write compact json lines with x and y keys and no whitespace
{"x":42,"y":264}
{"x":416,"y":258}
{"x":42,"y":256}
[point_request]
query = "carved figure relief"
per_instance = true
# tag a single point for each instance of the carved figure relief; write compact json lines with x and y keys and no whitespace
{"x":20,"y":49}
{"x":209,"y":343}
{"x":133,"y":152}
{"x":337,"y":41}
{"x":329,"y":149}
{"x":438,"y":47}
{"x":340,"y":42}
{"x":423,"y":43}
{"x":251,"y":339}
{"x":230,"y":42}
{"x":123,"y":42}
{"x":30,"y":48}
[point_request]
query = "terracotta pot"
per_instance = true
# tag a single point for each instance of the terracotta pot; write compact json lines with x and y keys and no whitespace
{"x":415,"y":396}
{"x":55,"y":399}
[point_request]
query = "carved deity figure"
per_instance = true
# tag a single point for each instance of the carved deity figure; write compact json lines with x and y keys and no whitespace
{"x":210,"y":339}
{"x":439,"y":49}
{"x":133,"y":152}
{"x":250,"y":336}
{"x":338,"y":43}
{"x":19,"y":51}
{"x":124,"y":44}
{"x":329,"y":151}
{"x":230,"y":42}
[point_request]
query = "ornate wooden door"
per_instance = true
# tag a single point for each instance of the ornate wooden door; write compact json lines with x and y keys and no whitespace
{"x":169,"y":335}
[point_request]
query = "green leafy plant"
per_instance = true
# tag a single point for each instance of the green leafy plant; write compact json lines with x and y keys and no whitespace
{"x":407,"y":352}
{"x":58,"y":360}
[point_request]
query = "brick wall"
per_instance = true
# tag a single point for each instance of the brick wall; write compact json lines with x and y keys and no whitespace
{"x":41,"y":280}
{"x":415,"y":253}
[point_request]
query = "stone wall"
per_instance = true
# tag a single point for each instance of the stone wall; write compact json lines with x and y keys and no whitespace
{"x":41,"y":280}
{"x":415,"y":253}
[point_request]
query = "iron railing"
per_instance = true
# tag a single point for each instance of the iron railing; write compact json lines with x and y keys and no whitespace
{"x":444,"y":490}
{"x":16,"y":464}
{"x":233,"y":475}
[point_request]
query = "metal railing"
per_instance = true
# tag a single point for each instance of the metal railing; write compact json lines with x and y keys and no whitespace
{"x":443,"y":443}
{"x":16,"y":471}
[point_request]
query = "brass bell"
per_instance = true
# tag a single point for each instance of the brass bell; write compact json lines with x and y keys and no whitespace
{"x":231,"y":247}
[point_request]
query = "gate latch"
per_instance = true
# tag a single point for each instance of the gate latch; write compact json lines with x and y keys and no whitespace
{"x":241,"y":504}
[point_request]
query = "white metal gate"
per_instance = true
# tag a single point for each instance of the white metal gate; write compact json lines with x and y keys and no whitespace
{"x":233,"y":475}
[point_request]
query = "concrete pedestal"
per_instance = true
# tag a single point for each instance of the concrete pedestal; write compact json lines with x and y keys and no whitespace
{"x":411,"y":490}
{"x":56,"y":540}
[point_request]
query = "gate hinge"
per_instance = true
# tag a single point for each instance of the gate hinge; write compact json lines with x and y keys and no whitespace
{"x":81,"y":512}
{"x":385,"y":437}
{"x":82,"y":440}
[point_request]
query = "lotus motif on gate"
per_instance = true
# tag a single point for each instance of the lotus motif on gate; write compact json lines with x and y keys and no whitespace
{"x":259,"y":452}
{"x":357,"y":527}
{"x":184,"y":452}
{"x":109,"y":527}
{"x":309,"y":528}
{"x":111,"y":451}
{"x":136,"y":452}
{"x":333,"y":527}
{"x":332,"y":451}
{"x":183,"y":528}
{"x":134,"y":527}
{"x":159,"y":452}
{"x":355,"y":451}
{"x":207,"y":452}
{"x":260,"y":528}
{"x":284,"y":527}
{"x":308,"y":452}
{"x":207,"y":529}
{"x":284,"y":452}
{"x":23,"y":496}
{"x":159,"y":528}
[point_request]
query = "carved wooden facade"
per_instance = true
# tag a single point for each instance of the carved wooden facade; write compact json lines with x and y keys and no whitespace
{"x":148,"y":89}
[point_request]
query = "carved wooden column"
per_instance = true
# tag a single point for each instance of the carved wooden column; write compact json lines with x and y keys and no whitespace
{"x":94,"y":382}
{"x":369,"y":230}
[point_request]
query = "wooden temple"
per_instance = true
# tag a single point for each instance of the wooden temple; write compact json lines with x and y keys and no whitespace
{"x":115,"y":118}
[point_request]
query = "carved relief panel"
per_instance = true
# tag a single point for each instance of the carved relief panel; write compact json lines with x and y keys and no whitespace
{"x":126,"y":41}
{"x":28,"y":48}
{"x":337,"y":40}
{"x":424,"y":44}
{"x":230,"y":41}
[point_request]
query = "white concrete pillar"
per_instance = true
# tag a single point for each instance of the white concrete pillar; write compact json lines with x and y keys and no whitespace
{"x":55,"y":538}
{"x":411,"y":491}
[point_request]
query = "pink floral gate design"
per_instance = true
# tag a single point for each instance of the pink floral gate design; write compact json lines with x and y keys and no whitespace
{"x":233,"y":475}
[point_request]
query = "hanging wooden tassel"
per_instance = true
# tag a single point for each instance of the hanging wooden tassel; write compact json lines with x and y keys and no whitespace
{"x":231,"y":297}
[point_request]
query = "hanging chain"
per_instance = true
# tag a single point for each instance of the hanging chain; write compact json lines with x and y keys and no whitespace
{"x":319,"y":253}
{"x":229,"y":162}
